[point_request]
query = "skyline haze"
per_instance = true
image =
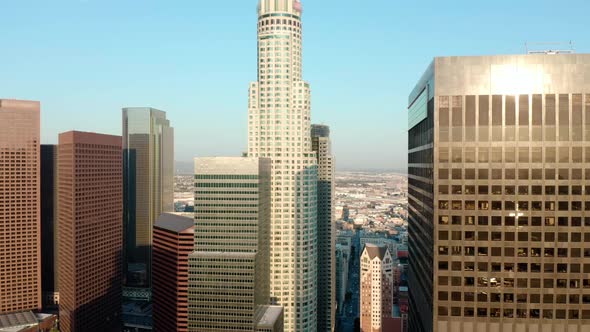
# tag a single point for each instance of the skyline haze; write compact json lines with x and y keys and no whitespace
{"x":85,"y":60}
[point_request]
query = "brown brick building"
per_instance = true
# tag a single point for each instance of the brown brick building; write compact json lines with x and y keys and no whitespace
{"x":20,"y":255}
{"x":173,"y":242}
{"x":90,"y":230}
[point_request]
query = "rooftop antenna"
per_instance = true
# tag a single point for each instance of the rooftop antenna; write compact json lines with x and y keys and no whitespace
{"x":550,"y":48}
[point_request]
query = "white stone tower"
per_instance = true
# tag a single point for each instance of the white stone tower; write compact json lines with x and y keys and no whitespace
{"x":279,"y":128}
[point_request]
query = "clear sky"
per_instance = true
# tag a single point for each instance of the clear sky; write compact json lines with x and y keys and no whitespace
{"x":86,"y":59}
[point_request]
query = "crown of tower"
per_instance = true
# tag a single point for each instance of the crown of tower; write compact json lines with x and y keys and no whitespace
{"x":282,"y":6}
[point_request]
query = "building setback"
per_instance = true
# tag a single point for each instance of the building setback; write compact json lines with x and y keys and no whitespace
{"x":20,"y":228}
{"x":90,"y":230}
{"x":499,"y":148}
{"x":279,"y":127}
{"x":229,"y":269}
{"x":49,"y":194}
{"x":320,"y":142}
{"x":173,"y":242}
{"x":148,"y":174}
{"x":376,"y":298}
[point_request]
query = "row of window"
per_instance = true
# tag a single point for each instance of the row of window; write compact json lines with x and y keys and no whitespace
{"x":505,"y":283}
{"x":513,"y":174}
{"x":510,"y":236}
{"x":512,"y":313}
{"x":512,"y":252}
{"x":514,"y":205}
{"x":511,"y":267}
{"x":553,"y":154}
{"x":513,"y":190}
{"x":537,"y":110}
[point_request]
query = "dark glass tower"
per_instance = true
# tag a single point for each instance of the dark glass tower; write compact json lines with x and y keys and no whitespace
{"x":320,"y":143}
{"x":148,"y":175}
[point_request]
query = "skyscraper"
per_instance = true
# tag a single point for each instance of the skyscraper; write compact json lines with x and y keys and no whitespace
{"x":20,"y":238}
{"x":90,"y":210}
{"x":279,"y":127}
{"x":376,"y":299}
{"x":320,"y":140}
{"x":174,"y":238}
{"x":229,"y":270}
{"x":49,"y":227}
{"x":499,"y":148}
{"x":148,"y":175}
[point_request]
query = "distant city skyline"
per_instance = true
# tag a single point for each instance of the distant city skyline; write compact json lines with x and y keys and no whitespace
{"x":85,"y":60}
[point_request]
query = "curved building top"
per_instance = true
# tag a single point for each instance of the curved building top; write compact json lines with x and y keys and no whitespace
{"x":280,"y":6}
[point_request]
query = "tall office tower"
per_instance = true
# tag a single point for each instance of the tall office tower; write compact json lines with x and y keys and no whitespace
{"x":320,"y":142}
{"x":49,"y":193}
{"x":148,"y":175}
{"x":229,"y":270}
{"x":499,"y":148}
{"x":90,"y":210}
{"x":20,"y":238}
{"x":376,"y":288}
{"x":174,"y":238}
{"x":279,"y":127}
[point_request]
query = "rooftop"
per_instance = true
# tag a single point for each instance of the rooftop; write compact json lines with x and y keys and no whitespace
{"x":12,"y":321}
{"x":375,"y":251}
{"x":174,"y":223}
{"x":269,"y":316}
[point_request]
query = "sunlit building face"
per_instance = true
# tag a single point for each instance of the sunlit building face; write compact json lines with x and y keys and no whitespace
{"x":498,"y":177}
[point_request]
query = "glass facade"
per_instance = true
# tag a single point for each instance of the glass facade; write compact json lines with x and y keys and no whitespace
{"x":510,"y":183}
{"x":148,"y":161}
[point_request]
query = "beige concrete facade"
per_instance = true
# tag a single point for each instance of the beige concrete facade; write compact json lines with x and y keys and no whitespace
{"x":279,"y":125}
{"x":499,"y":178}
{"x":229,"y":269}
{"x":376,"y":284}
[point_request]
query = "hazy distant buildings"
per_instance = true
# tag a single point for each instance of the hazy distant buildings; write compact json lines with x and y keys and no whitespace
{"x":230,"y":268}
{"x":498,"y":177}
{"x":90,"y":210}
{"x":376,"y":288}
{"x":49,"y":227}
{"x":173,"y":243}
{"x":279,"y":127}
{"x":148,"y":174}
{"x":20,"y":238}
{"x":320,"y":141}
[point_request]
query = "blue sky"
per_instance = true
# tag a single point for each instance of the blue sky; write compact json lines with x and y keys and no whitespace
{"x":85,"y":60}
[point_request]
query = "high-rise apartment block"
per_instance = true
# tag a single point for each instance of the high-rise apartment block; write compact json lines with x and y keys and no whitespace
{"x":148,"y":175}
{"x":174,"y":238}
{"x":320,"y":141}
{"x":229,"y":270}
{"x":90,"y":223}
{"x":376,"y":299}
{"x":499,"y":148}
{"x":279,"y":127}
{"x":49,"y":227}
{"x":20,"y":228}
